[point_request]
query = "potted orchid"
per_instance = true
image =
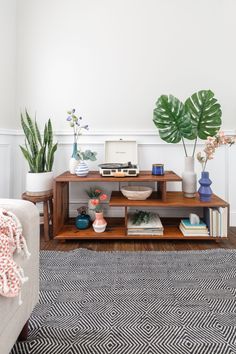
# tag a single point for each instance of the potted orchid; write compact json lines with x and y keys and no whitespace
{"x":212,"y":143}
{"x":78,"y":128}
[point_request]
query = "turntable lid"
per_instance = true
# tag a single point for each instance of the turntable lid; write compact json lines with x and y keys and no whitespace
{"x":121,"y":151}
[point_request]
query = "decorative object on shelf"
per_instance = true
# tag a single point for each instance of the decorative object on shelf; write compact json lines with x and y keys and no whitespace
{"x":95,"y":195}
{"x":144,"y":223}
{"x":74,"y":160}
{"x":194,"y":219}
{"x":189,"y":178}
{"x":190,"y":229}
{"x":136,"y":192}
{"x":99,"y":224}
{"x":205,"y":192}
{"x":78,"y":128}
{"x":158,"y":169}
{"x":82,"y":169}
{"x":121,"y":159}
{"x":39,"y":153}
{"x":198,"y":117}
{"x":140,"y":217}
{"x":212,"y":143}
{"x":83,"y":220}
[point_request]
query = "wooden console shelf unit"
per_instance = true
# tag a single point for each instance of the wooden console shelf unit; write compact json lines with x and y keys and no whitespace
{"x":64,"y":228}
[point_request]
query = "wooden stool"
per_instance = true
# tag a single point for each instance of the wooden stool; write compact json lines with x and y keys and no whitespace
{"x":47,"y":216}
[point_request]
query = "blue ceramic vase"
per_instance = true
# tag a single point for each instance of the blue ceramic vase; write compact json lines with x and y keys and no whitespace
{"x":74,"y":159}
{"x":82,"y":221}
{"x":205,"y":192}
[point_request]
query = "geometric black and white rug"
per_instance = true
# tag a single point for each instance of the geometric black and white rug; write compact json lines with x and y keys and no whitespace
{"x":134,"y":303}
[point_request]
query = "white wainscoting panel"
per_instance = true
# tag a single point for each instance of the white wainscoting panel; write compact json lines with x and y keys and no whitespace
{"x":151,"y":149}
{"x":6,"y":180}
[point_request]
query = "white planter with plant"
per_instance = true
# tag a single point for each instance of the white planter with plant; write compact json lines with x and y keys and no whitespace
{"x":39,"y":152}
{"x":198,"y":117}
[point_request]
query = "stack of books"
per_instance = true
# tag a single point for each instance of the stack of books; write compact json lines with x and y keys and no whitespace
{"x":153,"y":228}
{"x":189,"y":229}
{"x":217,"y":221}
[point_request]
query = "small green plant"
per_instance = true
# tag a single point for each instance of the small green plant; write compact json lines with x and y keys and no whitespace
{"x":87,"y":155}
{"x":38,"y":151}
{"x":140,"y":217}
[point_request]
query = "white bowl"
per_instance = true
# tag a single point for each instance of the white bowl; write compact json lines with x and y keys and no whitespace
{"x":136,"y":192}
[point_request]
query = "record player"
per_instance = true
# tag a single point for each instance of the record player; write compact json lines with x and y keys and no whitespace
{"x":117,"y":153}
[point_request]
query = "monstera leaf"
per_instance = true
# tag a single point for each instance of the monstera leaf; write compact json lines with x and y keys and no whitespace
{"x":205,"y":113}
{"x":172,"y":119}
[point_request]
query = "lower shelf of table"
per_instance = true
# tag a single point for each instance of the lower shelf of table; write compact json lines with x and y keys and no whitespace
{"x":116,"y":231}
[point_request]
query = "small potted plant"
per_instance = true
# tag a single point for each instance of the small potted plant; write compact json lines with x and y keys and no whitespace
{"x":39,"y":152}
{"x":95,"y":194}
{"x":99,"y":224}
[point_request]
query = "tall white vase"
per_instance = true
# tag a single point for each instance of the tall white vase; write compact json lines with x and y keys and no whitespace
{"x":189,"y":178}
{"x":73,"y":164}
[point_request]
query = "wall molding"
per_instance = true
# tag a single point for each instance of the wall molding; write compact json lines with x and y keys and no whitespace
{"x":152,"y":132}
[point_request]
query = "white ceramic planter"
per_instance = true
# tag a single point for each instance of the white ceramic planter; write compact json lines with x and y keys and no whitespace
{"x":189,"y":178}
{"x":39,"y":183}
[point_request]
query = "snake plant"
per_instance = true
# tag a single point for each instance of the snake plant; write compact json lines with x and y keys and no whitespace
{"x":38,"y":150}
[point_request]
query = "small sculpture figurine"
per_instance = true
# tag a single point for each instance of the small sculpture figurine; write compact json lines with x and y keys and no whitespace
{"x":83,"y":220}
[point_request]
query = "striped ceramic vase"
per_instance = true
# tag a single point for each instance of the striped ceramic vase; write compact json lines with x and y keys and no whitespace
{"x":82,"y":169}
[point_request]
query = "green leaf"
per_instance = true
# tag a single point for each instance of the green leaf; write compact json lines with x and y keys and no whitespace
{"x":38,"y":133}
{"x":205,"y":113}
{"x":172,"y":119}
{"x":50,"y":158}
{"x":28,"y":158}
{"x":45,"y":135}
{"x":32,"y":132}
{"x":50,"y":134}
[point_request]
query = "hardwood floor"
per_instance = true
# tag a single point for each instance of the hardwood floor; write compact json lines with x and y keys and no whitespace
{"x":142,"y":245}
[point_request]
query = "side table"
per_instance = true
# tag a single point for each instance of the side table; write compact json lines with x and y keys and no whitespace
{"x":47,"y":209}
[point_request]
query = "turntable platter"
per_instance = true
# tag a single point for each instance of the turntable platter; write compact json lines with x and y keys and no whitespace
{"x":114,"y":165}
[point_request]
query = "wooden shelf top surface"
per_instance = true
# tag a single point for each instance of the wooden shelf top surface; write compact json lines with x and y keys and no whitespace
{"x":173,"y":199}
{"x":144,"y":176}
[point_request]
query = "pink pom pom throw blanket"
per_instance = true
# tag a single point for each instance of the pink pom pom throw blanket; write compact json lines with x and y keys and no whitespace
{"x":11,"y":241}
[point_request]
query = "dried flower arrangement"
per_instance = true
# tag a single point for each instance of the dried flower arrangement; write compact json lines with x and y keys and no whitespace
{"x":212,"y":143}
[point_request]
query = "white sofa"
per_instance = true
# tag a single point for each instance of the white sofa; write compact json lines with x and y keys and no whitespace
{"x":13,"y":316}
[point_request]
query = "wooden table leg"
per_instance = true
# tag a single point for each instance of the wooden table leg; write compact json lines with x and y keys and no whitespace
{"x":46,"y":220}
{"x":51,"y":210}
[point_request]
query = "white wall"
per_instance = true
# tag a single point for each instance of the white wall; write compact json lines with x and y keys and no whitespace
{"x":7,"y":63}
{"x":111,"y":59}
